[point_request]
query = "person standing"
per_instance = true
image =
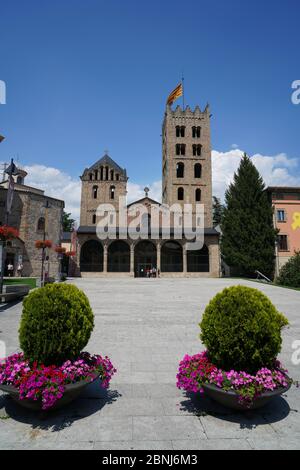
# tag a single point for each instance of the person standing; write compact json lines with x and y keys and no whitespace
{"x":20,"y":269}
{"x":10,"y":269}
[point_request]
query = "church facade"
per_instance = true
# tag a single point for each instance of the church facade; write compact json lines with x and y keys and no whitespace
{"x":186,"y":180}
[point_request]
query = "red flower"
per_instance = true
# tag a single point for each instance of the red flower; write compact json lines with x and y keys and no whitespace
{"x":70,"y":253}
{"x":43,"y":244}
{"x":59,"y":249}
{"x":7,"y":232}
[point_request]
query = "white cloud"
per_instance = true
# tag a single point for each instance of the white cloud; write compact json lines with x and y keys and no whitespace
{"x":57,"y":184}
{"x":136,"y":191}
{"x":276,"y":170}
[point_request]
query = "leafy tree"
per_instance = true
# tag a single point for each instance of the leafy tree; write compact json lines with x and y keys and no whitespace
{"x":248,"y":234}
{"x":217,"y":211}
{"x":68,"y":222}
{"x":289,"y":274}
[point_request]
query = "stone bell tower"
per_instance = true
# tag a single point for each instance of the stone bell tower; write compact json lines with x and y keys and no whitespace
{"x":186,"y":159}
{"x":102,"y":183}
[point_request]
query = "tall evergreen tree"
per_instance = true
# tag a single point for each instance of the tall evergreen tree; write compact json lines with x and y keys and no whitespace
{"x":67,"y":222}
{"x":248,"y":234}
{"x":217,"y":211}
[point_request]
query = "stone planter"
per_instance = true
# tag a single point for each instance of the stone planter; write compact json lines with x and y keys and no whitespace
{"x":72,"y":391}
{"x":230,"y":399}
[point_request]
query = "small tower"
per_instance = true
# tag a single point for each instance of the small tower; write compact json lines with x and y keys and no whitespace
{"x":186,"y":159}
{"x":102,"y":183}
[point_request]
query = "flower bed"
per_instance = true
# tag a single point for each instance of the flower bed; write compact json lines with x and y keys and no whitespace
{"x":196,"y":371}
{"x":47,"y":383}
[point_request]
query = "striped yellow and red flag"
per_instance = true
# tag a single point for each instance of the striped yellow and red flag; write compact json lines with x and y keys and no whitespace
{"x":176,"y":93}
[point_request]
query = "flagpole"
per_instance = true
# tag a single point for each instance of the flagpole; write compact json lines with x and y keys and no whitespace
{"x":182,"y":82}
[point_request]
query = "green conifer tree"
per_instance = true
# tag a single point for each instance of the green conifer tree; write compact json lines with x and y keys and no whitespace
{"x":248,"y":234}
{"x":217,"y":211}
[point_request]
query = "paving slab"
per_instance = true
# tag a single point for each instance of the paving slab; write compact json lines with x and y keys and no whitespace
{"x":146,"y":326}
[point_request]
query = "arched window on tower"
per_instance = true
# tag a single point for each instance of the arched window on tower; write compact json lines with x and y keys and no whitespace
{"x":95,"y":192}
{"x":101,"y":173}
{"x":90,"y":176}
{"x":112,"y":192}
{"x":96,"y":175}
{"x":196,"y":131}
{"x":180,"y":170}
{"x":180,"y":194}
{"x":197,"y":170}
{"x":112,"y":175}
{"x":41,"y":224}
{"x":198,"y":195}
{"x":94,"y":218}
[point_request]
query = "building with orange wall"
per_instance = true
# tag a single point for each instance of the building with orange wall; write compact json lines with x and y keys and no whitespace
{"x":286,"y":204}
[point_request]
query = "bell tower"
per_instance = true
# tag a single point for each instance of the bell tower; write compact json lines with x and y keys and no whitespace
{"x":186,"y":159}
{"x":102,"y":183}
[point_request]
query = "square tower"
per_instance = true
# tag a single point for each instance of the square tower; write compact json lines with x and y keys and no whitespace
{"x":102,"y":183}
{"x":186,"y":159}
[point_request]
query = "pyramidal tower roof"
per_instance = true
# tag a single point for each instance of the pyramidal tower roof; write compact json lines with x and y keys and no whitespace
{"x":106,"y":160}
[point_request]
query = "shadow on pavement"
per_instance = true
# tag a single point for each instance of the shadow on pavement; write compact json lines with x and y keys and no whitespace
{"x":92,"y":400}
{"x":201,"y":405}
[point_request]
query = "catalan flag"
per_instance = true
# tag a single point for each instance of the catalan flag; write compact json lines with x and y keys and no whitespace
{"x":176,"y":93}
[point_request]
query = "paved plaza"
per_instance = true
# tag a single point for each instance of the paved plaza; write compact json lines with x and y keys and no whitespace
{"x":146,"y":326}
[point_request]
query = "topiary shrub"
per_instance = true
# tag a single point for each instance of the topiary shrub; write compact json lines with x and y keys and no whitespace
{"x":56,"y":324}
{"x":241,"y":329}
{"x":289,"y":274}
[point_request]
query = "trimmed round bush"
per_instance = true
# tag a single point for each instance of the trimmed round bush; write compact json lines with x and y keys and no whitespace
{"x":56,"y":324}
{"x":289,"y":274}
{"x":241,"y":329}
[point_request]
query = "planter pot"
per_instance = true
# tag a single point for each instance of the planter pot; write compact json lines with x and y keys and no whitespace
{"x":230,"y":399}
{"x":71,"y":392}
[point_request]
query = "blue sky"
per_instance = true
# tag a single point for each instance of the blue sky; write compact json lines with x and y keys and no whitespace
{"x":87,"y":75}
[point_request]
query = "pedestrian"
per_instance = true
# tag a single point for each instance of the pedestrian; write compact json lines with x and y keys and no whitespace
{"x":20,"y":269}
{"x":10,"y":269}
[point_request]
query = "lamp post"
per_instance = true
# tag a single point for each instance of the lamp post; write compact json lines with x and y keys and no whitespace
{"x":46,"y":207}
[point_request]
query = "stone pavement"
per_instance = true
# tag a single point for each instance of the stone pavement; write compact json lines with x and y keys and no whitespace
{"x":146,"y":326}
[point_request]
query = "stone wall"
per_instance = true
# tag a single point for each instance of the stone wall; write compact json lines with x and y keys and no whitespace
{"x":27,"y":208}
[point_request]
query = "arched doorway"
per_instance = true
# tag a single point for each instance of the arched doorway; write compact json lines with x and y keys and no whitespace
{"x":118,"y":260}
{"x":91,"y":256}
{"x":144,"y":258}
{"x":171,"y":257}
{"x":198,"y":260}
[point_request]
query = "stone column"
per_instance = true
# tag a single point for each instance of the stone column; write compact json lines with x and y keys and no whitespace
{"x":214,"y":260}
{"x":158,"y":251}
{"x":132,"y":259}
{"x":105,"y":250}
{"x":184,"y":254}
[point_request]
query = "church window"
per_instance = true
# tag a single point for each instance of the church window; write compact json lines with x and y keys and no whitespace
{"x":41,"y":224}
{"x":95,"y":192}
{"x":180,"y":170}
{"x":180,"y":194}
{"x":112,"y":192}
{"x":197,"y":170}
{"x":198,"y":195}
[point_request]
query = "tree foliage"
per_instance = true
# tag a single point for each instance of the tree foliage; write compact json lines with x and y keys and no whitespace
{"x":248,"y":234}
{"x":241,"y":329}
{"x":289,"y":274}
